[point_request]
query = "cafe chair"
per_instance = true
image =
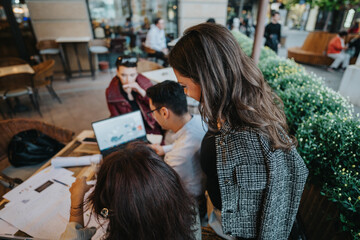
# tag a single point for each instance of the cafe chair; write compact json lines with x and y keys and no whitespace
{"x":98,"y":46}
{"x":118,"y":45}
{"x":150,"y":53}
{"x":50,"y":47}
{"x":145,"y":66}
{"x":17,"y":85}
{"x":10,"y":61}
{"x":9,"y":128}
{"x":44,"y":76}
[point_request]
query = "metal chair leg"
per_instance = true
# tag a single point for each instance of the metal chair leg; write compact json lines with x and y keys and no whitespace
{"x":34,"y":100}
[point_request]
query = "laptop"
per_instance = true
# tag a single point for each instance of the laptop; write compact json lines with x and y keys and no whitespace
{"x":114,"y":133}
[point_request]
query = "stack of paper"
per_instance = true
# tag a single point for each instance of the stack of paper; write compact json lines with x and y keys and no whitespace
{"x":40,"y":206}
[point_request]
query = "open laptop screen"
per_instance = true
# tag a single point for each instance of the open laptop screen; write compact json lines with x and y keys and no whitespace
{"x":118,"y":130}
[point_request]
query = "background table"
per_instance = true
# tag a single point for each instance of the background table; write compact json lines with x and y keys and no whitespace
{"x":158,"y":76}
{"x":16,"y":69}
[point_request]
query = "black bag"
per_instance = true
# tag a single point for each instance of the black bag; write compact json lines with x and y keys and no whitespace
{"x":32,"y":147}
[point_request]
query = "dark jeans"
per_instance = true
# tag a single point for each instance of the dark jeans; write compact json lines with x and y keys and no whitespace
{"x":162,"y":56}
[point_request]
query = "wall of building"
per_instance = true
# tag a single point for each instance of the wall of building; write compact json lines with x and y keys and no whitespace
{"x":194,"y":12}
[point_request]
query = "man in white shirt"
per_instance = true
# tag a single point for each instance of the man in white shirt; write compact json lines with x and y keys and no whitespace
{"x":168,"y":105}
{"x":156,"y":40}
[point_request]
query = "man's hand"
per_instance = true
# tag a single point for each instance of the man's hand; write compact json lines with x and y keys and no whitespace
{"x":134,"y":86}
{"x":158,"y":149}
{"x":165,"y":51}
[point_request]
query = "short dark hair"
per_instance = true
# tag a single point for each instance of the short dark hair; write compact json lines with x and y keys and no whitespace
{"x":138,"y":190}
{"x":211,"y":20}
{"x":126,"y":60}
{"x":168,"y":94}
{"x":343,"y":33}
{"x":156,"y":21}
{"x":274,"y":13}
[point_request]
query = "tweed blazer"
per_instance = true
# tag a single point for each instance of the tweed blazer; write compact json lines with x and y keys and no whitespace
{"x":260,"y":188}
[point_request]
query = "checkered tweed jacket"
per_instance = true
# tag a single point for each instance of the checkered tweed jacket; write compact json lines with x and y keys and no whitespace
{"x":260,"y":188}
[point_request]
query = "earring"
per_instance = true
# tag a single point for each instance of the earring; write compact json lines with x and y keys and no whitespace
{"x":104,"y":212}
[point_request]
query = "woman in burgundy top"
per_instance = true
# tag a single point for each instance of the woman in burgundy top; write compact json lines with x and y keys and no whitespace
{"x":127,"y":93}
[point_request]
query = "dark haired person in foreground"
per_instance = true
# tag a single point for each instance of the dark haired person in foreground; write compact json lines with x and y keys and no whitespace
{"x":138,"y":194}
{"x":127,"y":92}
{"x":255,"y":177}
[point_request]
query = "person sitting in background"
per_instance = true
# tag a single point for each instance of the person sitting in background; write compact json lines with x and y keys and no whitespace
{"x":156,"y":40}
{"x":127,"y":93}
{"x":336,"y":51}
{"x":138,"y":195}
{"x":129,"y":31}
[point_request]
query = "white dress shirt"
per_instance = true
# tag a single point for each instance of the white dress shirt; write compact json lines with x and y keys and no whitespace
{"x":184,"y":155}
{"x":155,"y":38}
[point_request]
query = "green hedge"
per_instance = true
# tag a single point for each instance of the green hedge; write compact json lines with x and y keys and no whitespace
{"x":323,"y":123}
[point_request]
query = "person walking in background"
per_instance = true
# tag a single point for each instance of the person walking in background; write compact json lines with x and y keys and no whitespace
{"x":255,"y":177}
{"x":336,"y":50}
{"x":273,"y":32}
{"x":127,"y":93}
{"x":137,"y":196}
{"x":156,"y":40}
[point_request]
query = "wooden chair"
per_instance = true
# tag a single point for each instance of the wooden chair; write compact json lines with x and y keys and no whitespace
{"x":44,"y":76}
{"x":149,"y":52}
{"x":9,"y":128}
{"x":10,"y":61}
{"x":50,"y":47}
{"x":16,"y":85}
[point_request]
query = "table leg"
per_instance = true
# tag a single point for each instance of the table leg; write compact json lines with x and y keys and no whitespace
{"x":65,"y":57}
{"x":77,"y":58}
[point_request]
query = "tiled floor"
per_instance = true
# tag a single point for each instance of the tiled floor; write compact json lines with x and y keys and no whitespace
{"x":83,"y":102}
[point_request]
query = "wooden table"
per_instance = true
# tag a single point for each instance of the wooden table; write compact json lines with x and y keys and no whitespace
{"x":16,"y":69}
{"x":75,"y":148}
{"x":63,"y":41}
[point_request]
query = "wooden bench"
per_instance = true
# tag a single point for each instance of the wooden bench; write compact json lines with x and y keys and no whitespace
{"x":313,"y":50}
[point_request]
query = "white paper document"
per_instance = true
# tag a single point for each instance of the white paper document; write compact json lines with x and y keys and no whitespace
{"x":7,"y":228}
{"x":40,"y":206}
{"x":75,"y":161}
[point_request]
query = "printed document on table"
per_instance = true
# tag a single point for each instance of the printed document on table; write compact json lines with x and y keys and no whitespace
{"x":40,"y":206}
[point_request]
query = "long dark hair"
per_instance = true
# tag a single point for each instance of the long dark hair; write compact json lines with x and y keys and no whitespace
{"x":144,"y":196}
{"x":233,"y":88}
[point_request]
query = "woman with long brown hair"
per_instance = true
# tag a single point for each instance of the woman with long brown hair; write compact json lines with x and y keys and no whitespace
{"x":138,"y":195}
{"x":255,"y":177}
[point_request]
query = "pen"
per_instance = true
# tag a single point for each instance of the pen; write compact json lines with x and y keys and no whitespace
{"x":60,"y":182}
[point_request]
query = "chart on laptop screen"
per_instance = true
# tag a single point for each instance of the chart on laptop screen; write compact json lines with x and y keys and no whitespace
{"x":119,"y":130}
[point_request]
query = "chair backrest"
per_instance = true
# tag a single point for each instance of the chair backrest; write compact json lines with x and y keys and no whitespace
{"x":147,"y":49}
{"x":10,"y":61}
{"x":8,"y":128}
{"x":46,"y":44}
{"x":16,"y":81}
{"x":43,"y":71}
{"x":98,"y":42}
{"x":145,"y":66}
{"x":118,"y":45}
